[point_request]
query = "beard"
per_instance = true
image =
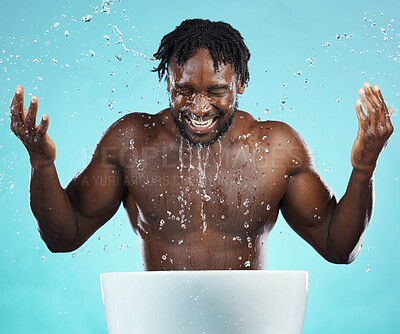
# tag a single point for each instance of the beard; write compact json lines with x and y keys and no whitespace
{"x":220,"y":132}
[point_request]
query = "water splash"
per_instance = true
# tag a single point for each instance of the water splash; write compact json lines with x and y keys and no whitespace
{"x":183,"y":191}
{"x":202,"y":164}
{"x":120,"y":41}
{"x":219,"y":163}
{"x":87,"y":18}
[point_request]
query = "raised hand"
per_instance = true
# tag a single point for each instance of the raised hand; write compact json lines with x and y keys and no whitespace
{"x":374,"y":129}
{"x":41,"y":148}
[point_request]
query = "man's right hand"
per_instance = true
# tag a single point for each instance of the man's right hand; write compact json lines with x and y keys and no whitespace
{"x":41,"y":148}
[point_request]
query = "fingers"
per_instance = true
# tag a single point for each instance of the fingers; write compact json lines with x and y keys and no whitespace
{"x":366,"y":100}
{"x":380,"y":103}
{"x":362,"y":118}
{"x":378,"y":113}
{"x":43,"y":126}
{"x":23,"y":123}
{"x":30,"y":120}
{"x":17,"y":107}
{"x":384,"y":112}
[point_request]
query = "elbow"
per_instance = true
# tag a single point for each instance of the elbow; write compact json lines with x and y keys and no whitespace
{"x":60,"y":247}
{"x":60,"y":243}
{"x":342,"y":253}
{"x":340,"y":260}
{"x":343,"y":257}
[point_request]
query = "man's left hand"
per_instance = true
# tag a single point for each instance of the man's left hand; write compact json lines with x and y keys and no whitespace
{"x":374,"y":129}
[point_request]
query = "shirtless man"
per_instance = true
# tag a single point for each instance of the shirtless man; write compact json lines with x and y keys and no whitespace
{"x":201,"y":181}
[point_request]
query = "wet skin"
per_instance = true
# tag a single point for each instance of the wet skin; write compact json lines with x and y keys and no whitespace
{"x":198,"y":195}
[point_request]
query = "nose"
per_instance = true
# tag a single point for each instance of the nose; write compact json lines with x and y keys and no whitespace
{"x":201,"y":105}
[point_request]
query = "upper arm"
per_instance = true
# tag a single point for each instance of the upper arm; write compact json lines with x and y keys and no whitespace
{"x":96,"y":193}
{"x":308,"y":203}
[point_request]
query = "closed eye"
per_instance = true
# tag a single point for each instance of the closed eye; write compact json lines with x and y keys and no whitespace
{"x":218,"y":90}
{"x":184,"y":90}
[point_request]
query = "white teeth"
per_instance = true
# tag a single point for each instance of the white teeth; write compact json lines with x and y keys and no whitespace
{"x":201,"y":124}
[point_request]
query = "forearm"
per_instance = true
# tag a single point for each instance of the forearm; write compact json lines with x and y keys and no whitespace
{"x":350,"y":218}
{"x":52,"y":209}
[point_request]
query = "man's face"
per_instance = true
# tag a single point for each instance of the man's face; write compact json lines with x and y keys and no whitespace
{"x":202,"y":99}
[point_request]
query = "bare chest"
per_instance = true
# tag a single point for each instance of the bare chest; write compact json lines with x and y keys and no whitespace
{"x":199,"y":190}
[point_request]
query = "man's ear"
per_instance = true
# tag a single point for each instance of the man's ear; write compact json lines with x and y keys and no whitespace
{"x":240,"y":87}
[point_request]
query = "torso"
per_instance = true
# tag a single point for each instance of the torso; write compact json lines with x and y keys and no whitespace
{"x":204,"y":207}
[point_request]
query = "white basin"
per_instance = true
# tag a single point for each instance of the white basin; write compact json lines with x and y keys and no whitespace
{"x":214,"y":302}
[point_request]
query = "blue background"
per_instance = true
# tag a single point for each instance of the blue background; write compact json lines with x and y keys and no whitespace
{"x":308,"y":60}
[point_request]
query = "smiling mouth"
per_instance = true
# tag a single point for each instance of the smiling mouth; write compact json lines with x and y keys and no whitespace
{"x":199,"y":125}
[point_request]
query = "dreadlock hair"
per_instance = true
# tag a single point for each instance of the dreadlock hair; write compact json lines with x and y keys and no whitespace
{"x":225,"y":44}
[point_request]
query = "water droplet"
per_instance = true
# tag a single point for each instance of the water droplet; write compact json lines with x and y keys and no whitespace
{"x":297,"y":73}
{"x":139,"y":164}
{"x":110,"y":104}
{"x":246,"y":202}
{"x":247,"y":264}
{"x":164,"y":257}
{"x":87,"y":18}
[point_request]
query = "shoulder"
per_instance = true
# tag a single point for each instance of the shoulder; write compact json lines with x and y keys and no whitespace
{"x":275,"y":128}
{"x":286,"y":144}
{"x":137,"y":126}
{"x":136,"y":121}
{"x":283,"y":132}
{"x":129,"y":135}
